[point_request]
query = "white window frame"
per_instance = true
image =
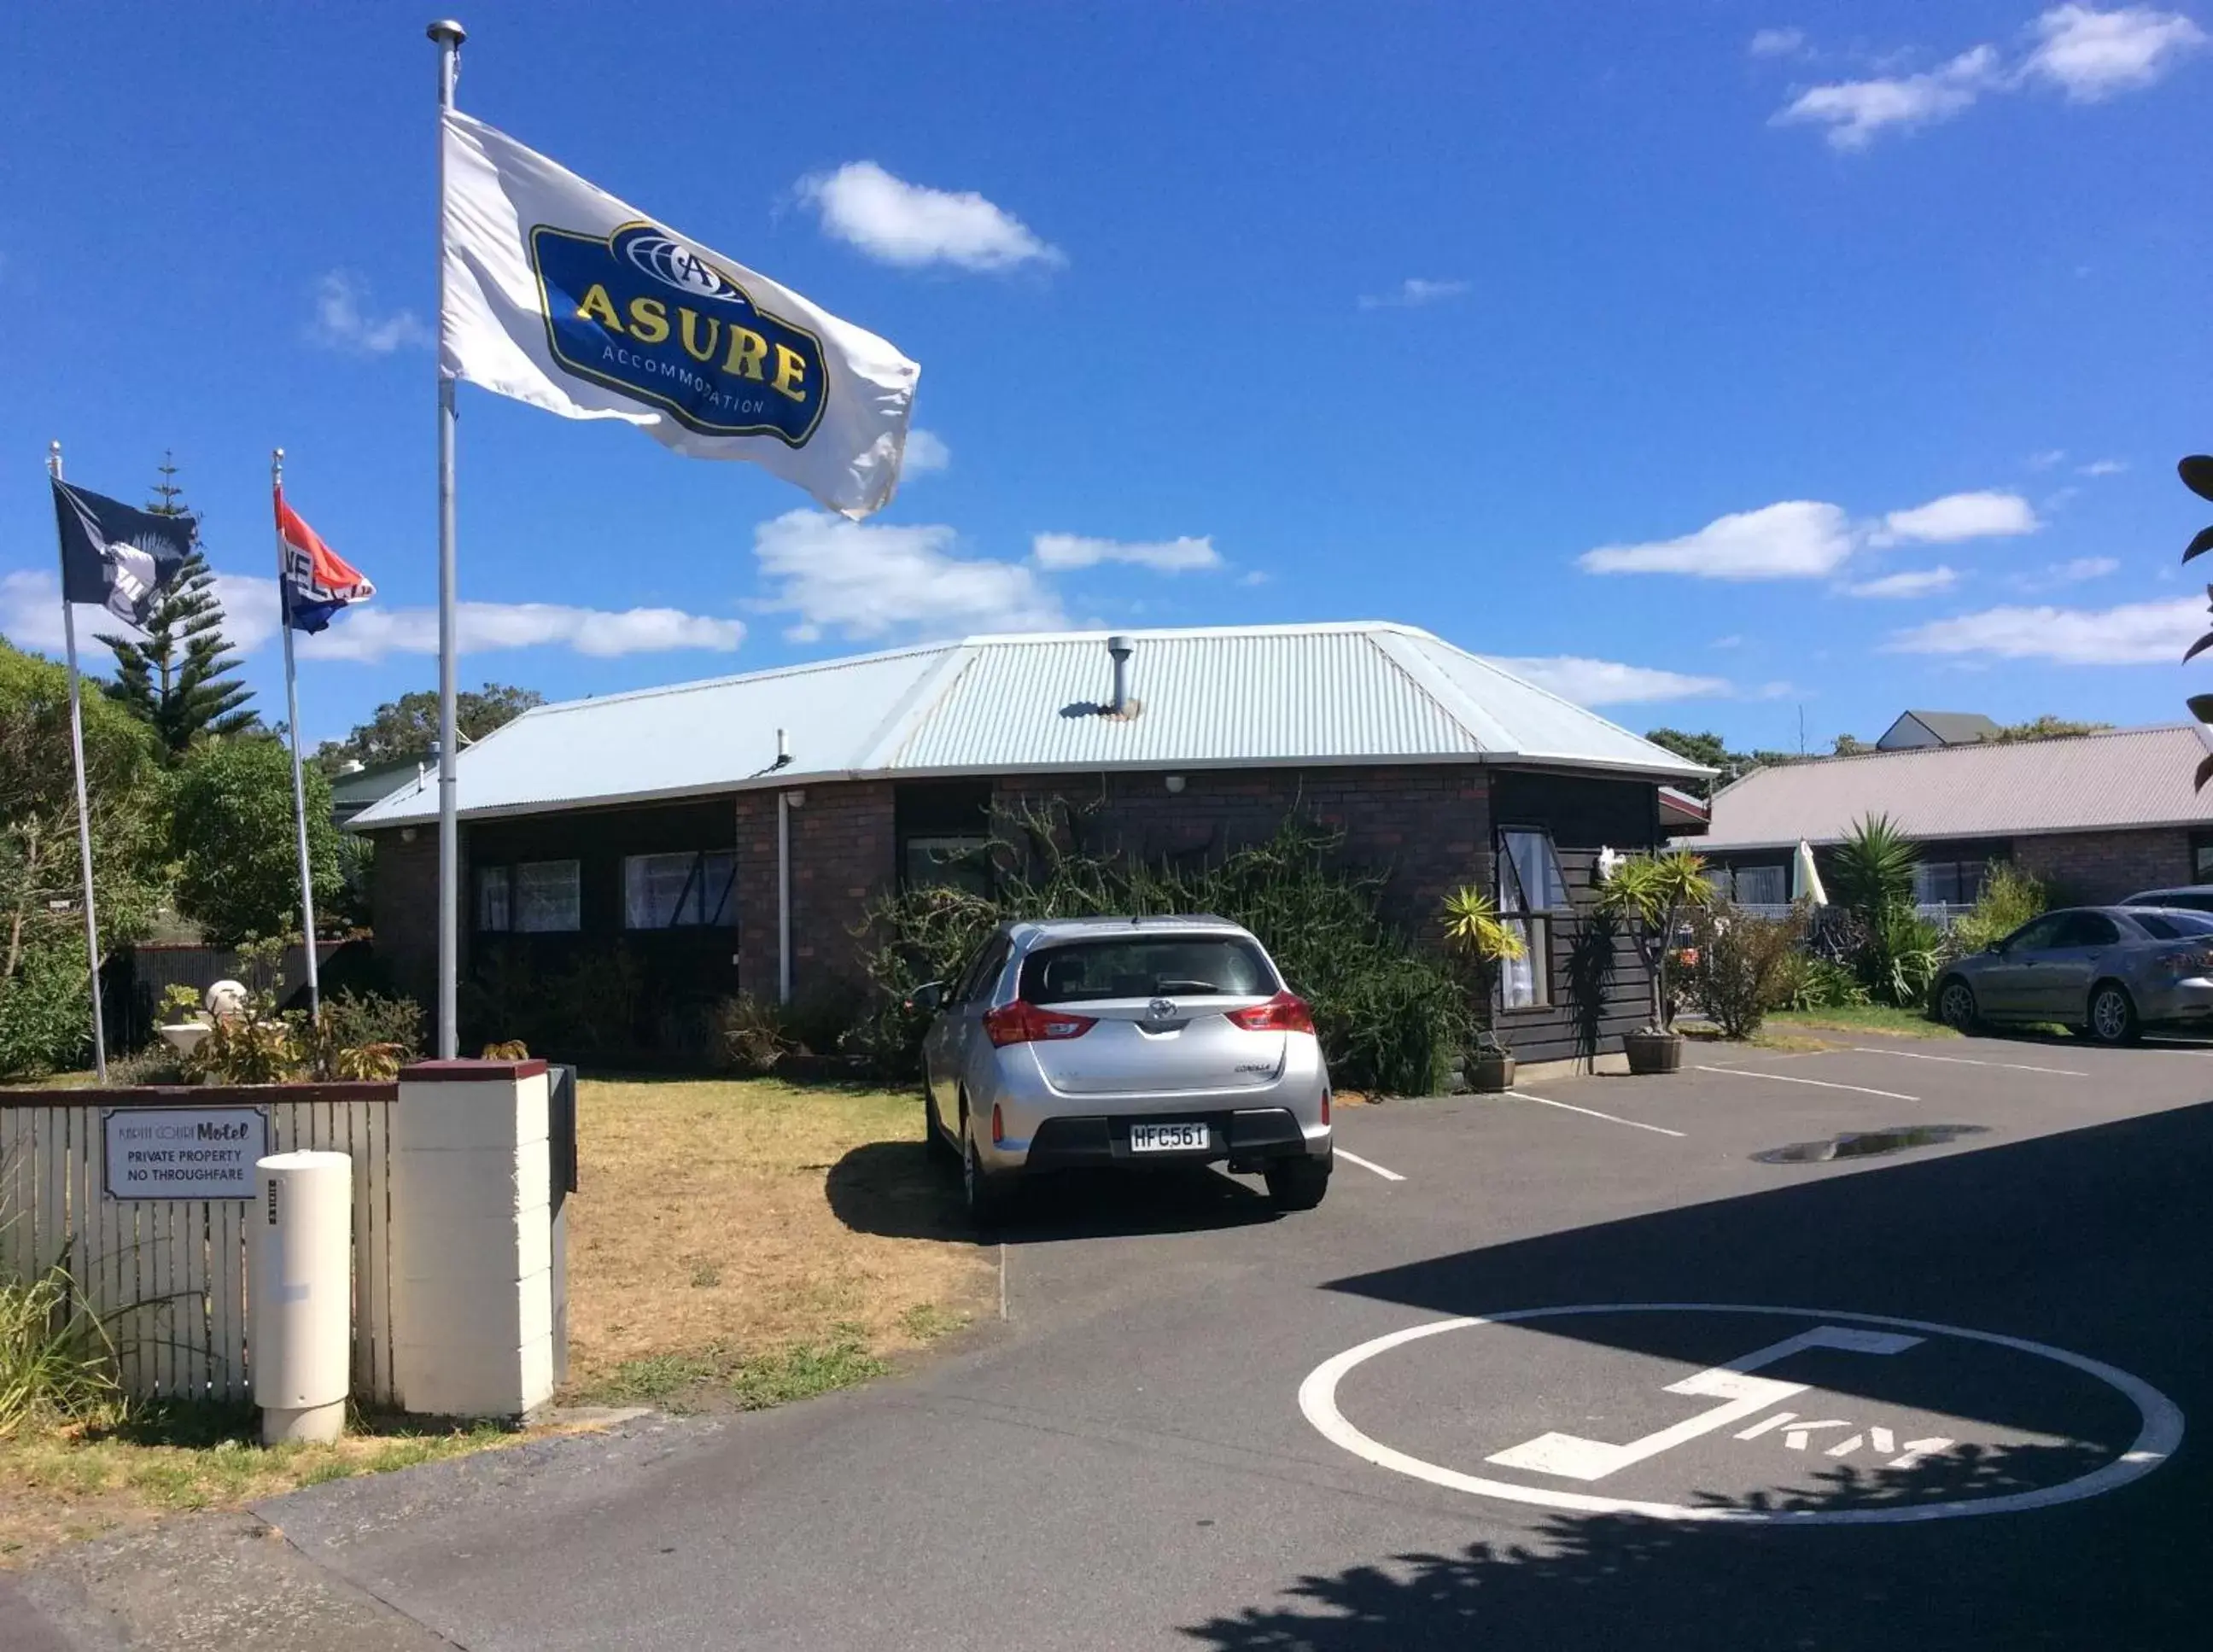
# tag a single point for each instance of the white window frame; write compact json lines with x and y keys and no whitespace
{"x":495,"y":889}
{"x":1526,"y":983}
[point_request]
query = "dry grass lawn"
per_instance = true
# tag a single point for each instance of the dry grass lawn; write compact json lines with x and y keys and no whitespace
{"x":734,"y":1244}
{"x":722,"y":1224}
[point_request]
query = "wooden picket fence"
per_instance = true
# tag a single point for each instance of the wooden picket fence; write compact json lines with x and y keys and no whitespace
{"x":169,"y":1276}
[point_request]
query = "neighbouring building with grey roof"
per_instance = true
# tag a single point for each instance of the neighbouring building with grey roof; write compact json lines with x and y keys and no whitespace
{"x":2096,"y":816}
{"x":730,"y":835}
{"x":1916,"y":729}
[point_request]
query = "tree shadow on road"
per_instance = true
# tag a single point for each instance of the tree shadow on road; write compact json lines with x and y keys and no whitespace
{"x":1608,"y":1582}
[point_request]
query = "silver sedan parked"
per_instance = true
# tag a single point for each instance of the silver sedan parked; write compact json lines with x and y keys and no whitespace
{"x":1124,"y":1042}
{"x":2108,"y":972}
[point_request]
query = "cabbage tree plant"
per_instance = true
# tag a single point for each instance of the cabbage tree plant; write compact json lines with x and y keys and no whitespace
{"x":1653,"y":893}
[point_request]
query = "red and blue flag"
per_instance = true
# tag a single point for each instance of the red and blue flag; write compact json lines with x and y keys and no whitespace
{"x":316,"y":581}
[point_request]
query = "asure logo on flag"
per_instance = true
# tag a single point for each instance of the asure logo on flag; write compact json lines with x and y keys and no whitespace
{"x":640,"y":311}
{"x":117,"y":555}
{"x":317,"y":581}
{"x":559,"y":294}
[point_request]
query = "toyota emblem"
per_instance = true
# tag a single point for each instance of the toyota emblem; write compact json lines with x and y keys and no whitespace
{"x":1160,"y":1009}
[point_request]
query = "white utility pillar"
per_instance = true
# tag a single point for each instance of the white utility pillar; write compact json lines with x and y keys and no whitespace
{"x":473,"y":1284}
{"x":299,"y":1282}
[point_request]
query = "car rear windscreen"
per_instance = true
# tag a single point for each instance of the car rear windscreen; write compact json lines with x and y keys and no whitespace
{"x":1147,"y":966}
{"x":2173,"y":925}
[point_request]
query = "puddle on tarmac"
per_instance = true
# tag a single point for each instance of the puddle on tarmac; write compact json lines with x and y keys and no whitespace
{"x":1868,"y":1143}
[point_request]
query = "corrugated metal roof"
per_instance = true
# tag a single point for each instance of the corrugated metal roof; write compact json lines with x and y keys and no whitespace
{"x":1366,"y":692}
{"x":2086,"y":783}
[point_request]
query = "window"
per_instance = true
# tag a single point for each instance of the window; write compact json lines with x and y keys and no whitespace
{"x":1947,"y":883}
{"x":2173,"y":925}
{"x":2085,"y":929}
{"x":1760,"y":885}
{"x":976,"y":980}
{"x":493,"y":904}
{"x":2036,"y":935}
{"x":1530,"y":888}
{"x":951,"y":861}
{"x":686,"y":890}
{"x":1168,"y":967}
{"x":545,"y":898}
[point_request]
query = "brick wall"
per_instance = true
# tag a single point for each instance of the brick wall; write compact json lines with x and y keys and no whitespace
{"x":843,"y":856}
{"x":2085,"y":869}
{"x":1426,"y":826}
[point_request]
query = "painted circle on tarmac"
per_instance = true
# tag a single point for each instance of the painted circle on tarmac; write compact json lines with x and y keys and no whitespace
{"x":2159,"y":1433}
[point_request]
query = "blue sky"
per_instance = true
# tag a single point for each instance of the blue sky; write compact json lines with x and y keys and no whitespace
{"x":1729,"y":360}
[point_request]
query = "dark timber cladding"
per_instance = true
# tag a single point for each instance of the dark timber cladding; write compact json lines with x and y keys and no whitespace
{"x":1597,"y":982}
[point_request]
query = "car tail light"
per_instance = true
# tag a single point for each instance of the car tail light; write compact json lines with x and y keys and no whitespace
{"x":2187,"y":961}
{"x":998,"y":1125}
{"x":1022,"y":1022}
{"x":1286,"y":1012}
{"x":1325,"y":1109}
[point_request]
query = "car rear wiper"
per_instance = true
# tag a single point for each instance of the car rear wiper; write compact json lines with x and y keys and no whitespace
{"x":1186,"y":986}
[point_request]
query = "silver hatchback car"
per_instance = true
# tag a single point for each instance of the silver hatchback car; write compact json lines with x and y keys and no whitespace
{"x":2108,"y":972}
{"x":1126,"y":1042}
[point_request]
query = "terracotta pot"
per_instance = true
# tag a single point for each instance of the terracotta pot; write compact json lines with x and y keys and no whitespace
{"x":1654,"y":1052}
{"x":1490,"y":1072}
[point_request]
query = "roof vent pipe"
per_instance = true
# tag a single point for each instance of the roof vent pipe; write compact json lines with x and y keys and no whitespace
{"x":1118,"y":705}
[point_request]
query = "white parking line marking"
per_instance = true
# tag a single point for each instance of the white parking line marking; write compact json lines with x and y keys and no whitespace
{"x":1818,"y":1083}
{"x":1354,"y":1158}
{"x":1967,"y":1061}
{"x":1593,"y":1113}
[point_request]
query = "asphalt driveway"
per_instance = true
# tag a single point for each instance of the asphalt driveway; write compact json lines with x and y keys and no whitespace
{"x":1940,"y":1396}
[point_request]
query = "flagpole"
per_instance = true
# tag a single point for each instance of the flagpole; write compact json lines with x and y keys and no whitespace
{"x":448,"y":35}
{"x":292,"y":722}
{"x":83,"y":812}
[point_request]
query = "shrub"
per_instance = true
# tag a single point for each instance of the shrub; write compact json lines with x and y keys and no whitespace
{"x":352,"y":1019}
{"x":1900,"y":957}
{"x":232,"y":832}
{"x":56,"y":1359}
{"x":1654,"y":894}
{"x":1822,"y":984}
{"x":2009,"y":899}
{"x":749,"y":1035}
{"x":46,"y":1014}
{"x":1743,"y":964}
{"x":1389,"y":1019}
{"x":1872,"y":869}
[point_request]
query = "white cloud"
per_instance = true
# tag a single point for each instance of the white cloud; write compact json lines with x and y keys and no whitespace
{"x":1957,"y":517}
{"x":2047,"y":459}
{"x":2086,"y":53}
{"x":1854,"y":111}
{"x":1255,"y":576}
{"x":1797,"y":539}
{"x":2054,"y":574}
{"x":912,"y":225}
{"x":1733,"y":640}
{"x":1412,"y":293}
{"x":1062,"y":551}
{"x":31,"y":615}
{"x":1777,"y":43}
{"x":371,"y":632}
{"x":2102,"y":467}
{"x":1919,"y":582}
{"x":926,"y":454}
{"x":1608,"y":682}
{"x":2135,"y":633}
{"x":344,"y":321}
{"x":2090,"y":54}
{"x":864,"y":580}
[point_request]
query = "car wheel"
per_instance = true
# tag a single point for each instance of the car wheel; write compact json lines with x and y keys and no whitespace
{"x":2113,"y":1015}
{"x":987,"y":1193}
{"x":933,"y":1128}
{"x":1955,"y":1005}
{"x":1298,"y":1183}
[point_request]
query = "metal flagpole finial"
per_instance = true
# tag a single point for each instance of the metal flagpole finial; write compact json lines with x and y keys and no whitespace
{"x":54,"y":456}
{"x":445,"y":31}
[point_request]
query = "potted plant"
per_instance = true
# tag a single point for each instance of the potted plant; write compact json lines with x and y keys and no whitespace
{"x":1474,"y":929}
{"x":1652,"y":894}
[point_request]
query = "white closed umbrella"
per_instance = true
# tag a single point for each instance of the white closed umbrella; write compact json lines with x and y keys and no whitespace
{"x":1806,"y":877}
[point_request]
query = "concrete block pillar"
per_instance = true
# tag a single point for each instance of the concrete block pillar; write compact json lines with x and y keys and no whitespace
{"x":473,"y":1276}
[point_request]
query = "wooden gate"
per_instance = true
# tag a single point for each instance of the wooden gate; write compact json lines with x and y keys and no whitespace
{"x":168,"y":1276}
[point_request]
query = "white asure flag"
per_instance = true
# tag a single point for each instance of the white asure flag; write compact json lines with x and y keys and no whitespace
{"x":556,"y":293}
